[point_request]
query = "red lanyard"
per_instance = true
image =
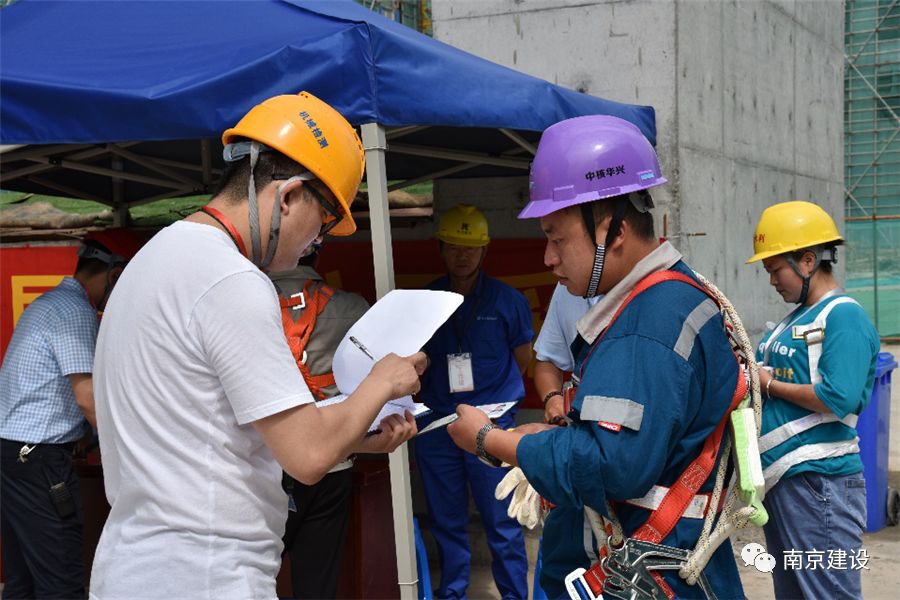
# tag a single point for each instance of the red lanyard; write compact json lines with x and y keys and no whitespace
{"x":230,"y":229}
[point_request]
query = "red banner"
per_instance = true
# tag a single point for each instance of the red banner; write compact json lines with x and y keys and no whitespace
{"x":27,"y":272}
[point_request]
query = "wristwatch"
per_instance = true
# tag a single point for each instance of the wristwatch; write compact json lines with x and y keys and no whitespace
{"x":483,"y":456}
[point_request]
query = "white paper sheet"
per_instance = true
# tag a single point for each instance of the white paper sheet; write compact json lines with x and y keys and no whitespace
{"x":493,"y":411}
{"x":401,"y":322}
{"x":393,"y":407}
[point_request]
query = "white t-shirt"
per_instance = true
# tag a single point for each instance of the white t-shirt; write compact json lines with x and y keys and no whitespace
{"x":191,"y":350}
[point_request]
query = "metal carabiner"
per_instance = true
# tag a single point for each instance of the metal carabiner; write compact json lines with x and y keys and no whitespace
{"x":24,"y":451}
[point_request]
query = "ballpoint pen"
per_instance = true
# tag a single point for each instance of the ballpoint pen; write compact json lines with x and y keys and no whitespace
{"x":359,"y":345}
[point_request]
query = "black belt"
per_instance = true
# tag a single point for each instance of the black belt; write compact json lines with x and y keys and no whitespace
{"x":67,"y":446}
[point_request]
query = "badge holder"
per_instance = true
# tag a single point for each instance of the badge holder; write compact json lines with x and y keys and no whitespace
{"x":459,"y":369}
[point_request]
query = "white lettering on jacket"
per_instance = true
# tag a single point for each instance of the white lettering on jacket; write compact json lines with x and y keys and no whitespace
{"x":779,"y":348}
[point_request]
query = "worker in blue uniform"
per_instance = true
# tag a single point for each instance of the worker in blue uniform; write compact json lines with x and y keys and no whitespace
{"x":477,"y":357}
{"x":655,"y":379}
{"x":820,"y":371}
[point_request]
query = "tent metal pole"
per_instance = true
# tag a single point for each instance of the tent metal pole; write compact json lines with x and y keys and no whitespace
{"x":375,"y":145}
{"x":70,"y":191}
{"x":121,"y":216}
{"x":432,"y":176}
{"x":461,"y":156}
{"x":519,"y":140}
{"x":150,"y":163}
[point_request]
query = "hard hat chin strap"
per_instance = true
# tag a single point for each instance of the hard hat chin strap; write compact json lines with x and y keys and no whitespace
{"x":615,"y":225}
{"x":822,"y":254}
{"x":253,"y":208}
{"x":596,"y":271}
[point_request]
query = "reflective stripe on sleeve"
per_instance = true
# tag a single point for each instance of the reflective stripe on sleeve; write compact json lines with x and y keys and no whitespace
{"x":695,"y":321}
{"x":620,"y":411}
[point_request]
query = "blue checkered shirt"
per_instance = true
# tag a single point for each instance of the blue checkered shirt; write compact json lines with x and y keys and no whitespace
{"x":54,"y":338}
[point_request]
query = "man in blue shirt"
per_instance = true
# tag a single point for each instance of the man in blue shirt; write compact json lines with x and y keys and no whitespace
{"x":46,"y":395}
{"x":477,"y":357}
{"x":657,"y":374}
{"x":553,"y":351}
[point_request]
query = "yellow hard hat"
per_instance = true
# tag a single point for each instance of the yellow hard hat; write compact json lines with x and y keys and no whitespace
{"x":314,"y":134}
{"x":791,"y":226}
{"x":463,"y":225}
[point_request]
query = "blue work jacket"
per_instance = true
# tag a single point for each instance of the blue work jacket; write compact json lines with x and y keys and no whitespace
{"x":659,"y":381}
{"x":492,"y":321}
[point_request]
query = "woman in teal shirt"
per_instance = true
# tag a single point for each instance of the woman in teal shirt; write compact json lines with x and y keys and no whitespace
{"x":818,"y":376}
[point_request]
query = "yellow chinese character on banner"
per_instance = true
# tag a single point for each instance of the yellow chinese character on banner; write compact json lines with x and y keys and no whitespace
{"x":22,"y":298}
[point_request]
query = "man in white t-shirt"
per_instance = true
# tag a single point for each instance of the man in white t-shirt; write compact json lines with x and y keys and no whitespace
{"x":199,"y":401}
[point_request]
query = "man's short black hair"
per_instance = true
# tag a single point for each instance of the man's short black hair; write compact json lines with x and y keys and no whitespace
{"x":640,"y":222}
{"x":235,"y":180}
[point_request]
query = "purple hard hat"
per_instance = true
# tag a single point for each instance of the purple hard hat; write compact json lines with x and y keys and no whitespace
{"x":589,"y":158}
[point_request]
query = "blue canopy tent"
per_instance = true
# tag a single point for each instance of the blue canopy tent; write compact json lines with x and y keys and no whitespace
{"x":156,"y":77}
{"x":124,"y":103}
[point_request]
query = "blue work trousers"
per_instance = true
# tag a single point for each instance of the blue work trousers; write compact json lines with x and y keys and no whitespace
{"x":447,"y":474}
{"x":820,"y":513}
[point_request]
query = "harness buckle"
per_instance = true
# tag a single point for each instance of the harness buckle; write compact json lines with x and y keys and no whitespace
{"x":814,"y":336}
{"x":577,"y":586}
{"x":300,"y":305}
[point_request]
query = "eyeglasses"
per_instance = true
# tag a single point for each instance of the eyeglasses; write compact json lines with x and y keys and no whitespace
{"x":334,"y":213}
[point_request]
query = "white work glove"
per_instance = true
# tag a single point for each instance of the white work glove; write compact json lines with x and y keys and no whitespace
{"x":525,"y":505}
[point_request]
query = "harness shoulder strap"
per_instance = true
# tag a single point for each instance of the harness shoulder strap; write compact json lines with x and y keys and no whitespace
{"x":298,"y":332}
{"x":814,"y":335}
{"x":642,"y":286}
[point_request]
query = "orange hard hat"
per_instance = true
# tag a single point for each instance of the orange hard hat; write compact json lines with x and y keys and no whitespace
{"x":314,"y":134}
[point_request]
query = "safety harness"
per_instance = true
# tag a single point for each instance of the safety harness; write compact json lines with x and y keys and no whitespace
{"x":629,"y":567}
{"x":298,"y":332}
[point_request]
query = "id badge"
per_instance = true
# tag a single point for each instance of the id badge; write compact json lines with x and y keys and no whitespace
{"x":459,"y":367}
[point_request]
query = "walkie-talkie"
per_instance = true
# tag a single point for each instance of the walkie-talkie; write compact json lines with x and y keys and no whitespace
{"x":62,"y":500}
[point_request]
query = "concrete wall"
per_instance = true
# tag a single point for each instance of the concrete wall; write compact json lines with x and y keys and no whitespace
{"x":748,"y":97}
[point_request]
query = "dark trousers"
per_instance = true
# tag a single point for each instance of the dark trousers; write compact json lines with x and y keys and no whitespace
{"x":315,"y":534}
{"x":41,"y":549}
